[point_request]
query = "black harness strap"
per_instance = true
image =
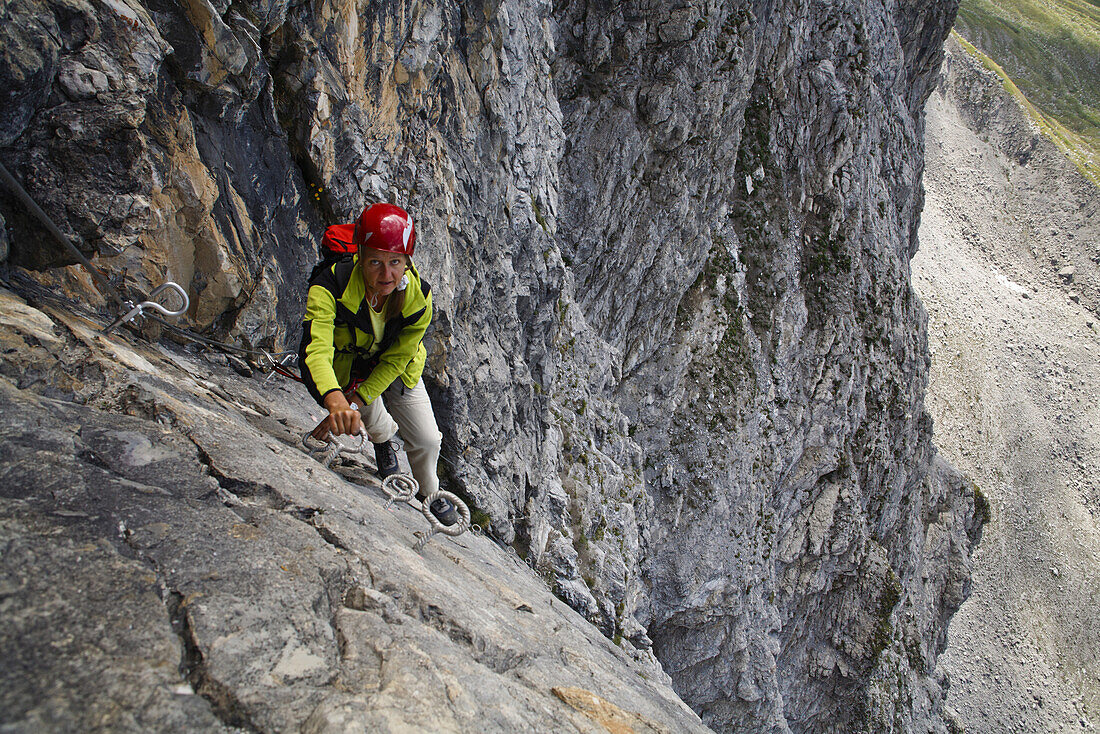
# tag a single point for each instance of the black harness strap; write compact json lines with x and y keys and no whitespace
{"x":335,"y":279}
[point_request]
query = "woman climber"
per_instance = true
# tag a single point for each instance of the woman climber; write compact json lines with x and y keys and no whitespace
{"x":361,"y":354}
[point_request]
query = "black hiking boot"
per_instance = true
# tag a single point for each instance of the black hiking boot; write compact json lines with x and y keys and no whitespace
{"x":444,"y":511}
{"x":385,"y":456}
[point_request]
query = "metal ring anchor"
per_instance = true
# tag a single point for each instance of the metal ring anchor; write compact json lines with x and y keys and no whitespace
{"x":326,"y":451}
{"x":399,"y":488}
{"x":137,"y":311}
{"x":437,"y":527}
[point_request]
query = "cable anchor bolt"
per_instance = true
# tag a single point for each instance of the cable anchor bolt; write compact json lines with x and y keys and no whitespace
{"x":399,"y":488}
{"x":136,"y":311}
{"x":459,"y":526}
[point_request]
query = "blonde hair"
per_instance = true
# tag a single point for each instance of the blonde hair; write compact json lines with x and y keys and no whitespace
{"x":394,"y":303}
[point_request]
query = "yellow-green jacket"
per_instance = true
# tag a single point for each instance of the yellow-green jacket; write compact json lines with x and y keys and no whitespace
{"x":339,"y":344}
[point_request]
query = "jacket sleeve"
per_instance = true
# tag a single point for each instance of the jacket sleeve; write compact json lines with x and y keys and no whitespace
{"x":393,"y":362}
{"x":317,"y":349}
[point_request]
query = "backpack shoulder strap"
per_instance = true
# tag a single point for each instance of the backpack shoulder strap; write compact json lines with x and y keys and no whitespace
{"x":333,"y":276}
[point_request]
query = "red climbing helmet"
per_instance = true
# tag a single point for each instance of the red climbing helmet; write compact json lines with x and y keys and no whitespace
{"x":385,"y":227}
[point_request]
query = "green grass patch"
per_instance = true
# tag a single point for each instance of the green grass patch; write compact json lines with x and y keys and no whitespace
{"x":982,"y":509}
{"x":1048,"y":51}
{"x":1082,"y":149}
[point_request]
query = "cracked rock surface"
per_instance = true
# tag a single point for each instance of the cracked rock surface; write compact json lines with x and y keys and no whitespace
{"x":172,"y":560}
{"x":675,"y":356}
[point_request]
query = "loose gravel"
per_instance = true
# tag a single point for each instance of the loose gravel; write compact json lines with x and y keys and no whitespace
{"x":1015,"y":396}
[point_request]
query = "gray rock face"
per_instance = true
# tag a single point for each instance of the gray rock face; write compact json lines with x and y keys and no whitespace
{"x":676,"y":357}
{"x":104,"y":138}
{"x":173,"y":560}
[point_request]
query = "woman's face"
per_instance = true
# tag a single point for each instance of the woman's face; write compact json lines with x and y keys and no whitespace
{"x":382,"y":271}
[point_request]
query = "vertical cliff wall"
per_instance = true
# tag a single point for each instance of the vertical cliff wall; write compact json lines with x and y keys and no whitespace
{"x":676,"y":355}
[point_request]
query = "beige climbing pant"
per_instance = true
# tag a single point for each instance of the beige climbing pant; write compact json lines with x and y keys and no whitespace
{"x":408,"y":410}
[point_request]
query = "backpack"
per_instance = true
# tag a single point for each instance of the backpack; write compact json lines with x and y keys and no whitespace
{"x":337,"y":244}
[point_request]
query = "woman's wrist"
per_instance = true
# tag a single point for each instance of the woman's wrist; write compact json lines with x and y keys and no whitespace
{"x":335,"y":401}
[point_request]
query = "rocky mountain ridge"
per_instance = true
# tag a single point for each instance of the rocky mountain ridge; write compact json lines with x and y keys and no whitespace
{"x":676,"y":357}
